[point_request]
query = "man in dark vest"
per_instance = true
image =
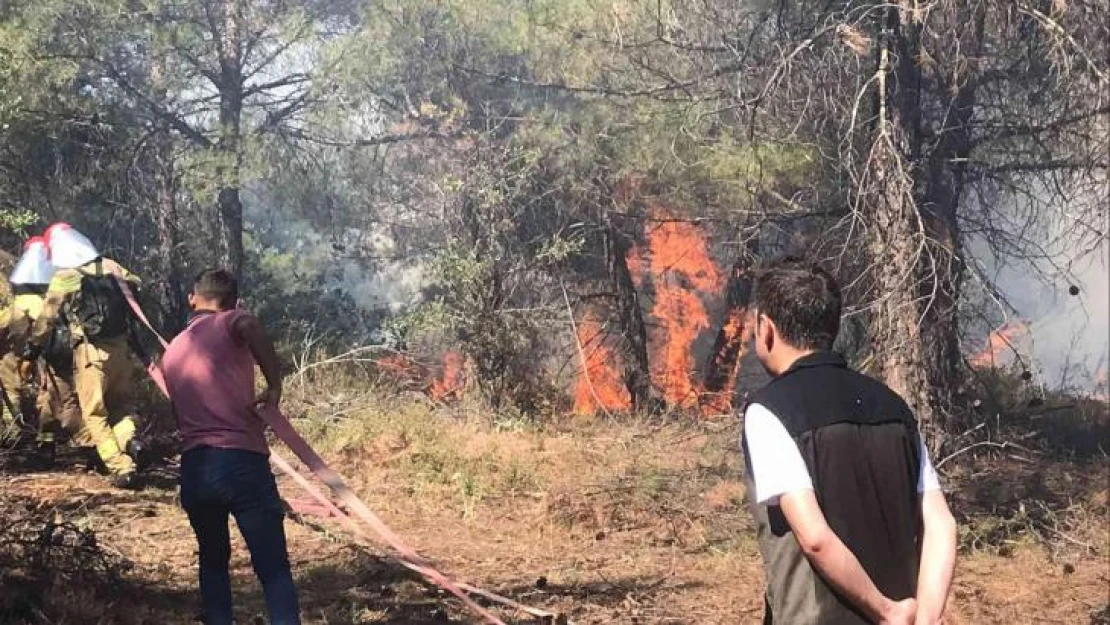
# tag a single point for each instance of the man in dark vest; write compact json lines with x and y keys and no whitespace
{"x":851,"y":521}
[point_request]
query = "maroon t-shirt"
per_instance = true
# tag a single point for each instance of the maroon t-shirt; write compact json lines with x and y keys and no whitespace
{"x":210,"y":377}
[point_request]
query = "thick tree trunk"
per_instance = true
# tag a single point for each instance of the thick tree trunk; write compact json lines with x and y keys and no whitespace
{"x":231,"y":229}
{"x":939,"y":199}
{"x":915,"y":238}
{"x":230,"y":146}
{"x":637,"y":374}
{"x":898,"y":242}
{"x":941,"y":278}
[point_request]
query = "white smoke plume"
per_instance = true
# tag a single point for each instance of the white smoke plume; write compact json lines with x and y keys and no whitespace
{"x":1066,"y":309}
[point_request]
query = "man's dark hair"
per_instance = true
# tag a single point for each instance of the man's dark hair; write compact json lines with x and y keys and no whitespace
{"x":218,"y":285}
{"x":802,"y":299}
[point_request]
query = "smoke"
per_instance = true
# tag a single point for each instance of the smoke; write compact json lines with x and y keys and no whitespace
{"x":393,"y":285}
{"x":363,"y":263}
{"x":1070,"y":333}
{"x":1066,"y":311}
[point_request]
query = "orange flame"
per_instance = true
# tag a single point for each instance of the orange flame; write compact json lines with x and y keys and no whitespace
{"x":679,"y":248}
{"x":451,"y":382}
{"x":676,"y":267}
{"x":399,"y":368}
{"x":726,"y":360}
{"x":680,"y":270}
{"x":599,"y":385}
{"x":1000,"y":343}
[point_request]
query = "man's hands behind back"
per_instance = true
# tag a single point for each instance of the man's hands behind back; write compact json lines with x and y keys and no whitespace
{"x":901,"y":613}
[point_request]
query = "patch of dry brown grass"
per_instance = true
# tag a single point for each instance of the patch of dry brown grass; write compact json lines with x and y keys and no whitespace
{"x":607,"y":521}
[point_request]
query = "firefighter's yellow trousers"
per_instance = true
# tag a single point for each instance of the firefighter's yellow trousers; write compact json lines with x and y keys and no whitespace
{"x":56,"y":404}
{"x":9,"y":377}
{"x":103,"y":374}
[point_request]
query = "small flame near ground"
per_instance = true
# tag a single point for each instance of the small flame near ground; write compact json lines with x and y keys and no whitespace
{"x":1102,"y":389}
{"x":726,"y":361}
{"x":1002,"y":345}
{"x":451,"y":381}
{"x":398,"y":365}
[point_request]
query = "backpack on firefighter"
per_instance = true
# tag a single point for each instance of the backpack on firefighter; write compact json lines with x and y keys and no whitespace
{"x":99,"y":307}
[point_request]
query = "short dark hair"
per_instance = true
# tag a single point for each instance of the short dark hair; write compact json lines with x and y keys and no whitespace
{"x":219,"y":285}
{"x":802,"y":299}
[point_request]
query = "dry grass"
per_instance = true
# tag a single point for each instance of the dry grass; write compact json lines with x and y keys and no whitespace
{"x":638,"y":521}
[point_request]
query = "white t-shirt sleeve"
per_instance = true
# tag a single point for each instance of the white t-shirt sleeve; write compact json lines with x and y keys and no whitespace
{"x":776,"y":463}
{"x":927,"y":479}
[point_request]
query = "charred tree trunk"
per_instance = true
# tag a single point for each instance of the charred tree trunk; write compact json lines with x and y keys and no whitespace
{"x":637,"y":374}
{"x":939,"y":199}
{"x":728,"y":347}
{"x":229,"y":204}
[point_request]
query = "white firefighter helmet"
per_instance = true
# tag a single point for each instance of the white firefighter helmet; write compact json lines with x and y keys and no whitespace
{"x":33,"y":267}
{"x":68,"y":248}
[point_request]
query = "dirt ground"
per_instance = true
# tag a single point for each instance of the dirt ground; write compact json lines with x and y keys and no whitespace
{"x":601,"y":523}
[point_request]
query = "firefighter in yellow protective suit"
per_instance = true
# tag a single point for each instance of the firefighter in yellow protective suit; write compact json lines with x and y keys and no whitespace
{"x":54,"y":401}
{"x":84,"y":298}
{"x":14,"y":402}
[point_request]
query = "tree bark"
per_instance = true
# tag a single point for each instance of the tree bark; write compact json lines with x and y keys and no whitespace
{"x":897,"y":241}
{"x":728,"y":347}
{"x":939,"y":199}
{"x":229,"y":146}
{"x":168,"y":263}
{"x":915,"y":241}
{"x":637,"y":374}
{"x":171,"y":294}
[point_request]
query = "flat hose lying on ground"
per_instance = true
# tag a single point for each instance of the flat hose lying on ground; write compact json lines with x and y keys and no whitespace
{"x":281,"y":426}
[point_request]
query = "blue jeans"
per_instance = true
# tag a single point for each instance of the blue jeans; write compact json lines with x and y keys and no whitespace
{"x":219,"y":482}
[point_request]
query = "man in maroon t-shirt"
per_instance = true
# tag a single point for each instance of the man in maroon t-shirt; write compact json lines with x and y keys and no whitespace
{"x":209,"y":371}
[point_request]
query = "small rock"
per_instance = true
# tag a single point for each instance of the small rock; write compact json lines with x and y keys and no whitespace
{"x":541,"y":583}
{"x":1069,"y":568}
{"x":1073,"y":290}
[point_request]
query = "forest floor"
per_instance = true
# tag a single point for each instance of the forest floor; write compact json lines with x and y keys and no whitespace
{"x":604,"y":522}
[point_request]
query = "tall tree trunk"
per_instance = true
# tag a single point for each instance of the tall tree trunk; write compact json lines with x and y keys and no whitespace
{"x":637,"y":374}
{"x":939,"y":199}
{"x":897,"y":242}
{"x":915,"y":238}
{"x":230,"y":145}
{"x":171,"y":291}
